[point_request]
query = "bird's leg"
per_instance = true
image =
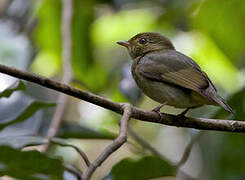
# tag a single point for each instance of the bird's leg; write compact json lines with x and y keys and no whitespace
{"x":158,"y":108}
{"x":184,"y":112}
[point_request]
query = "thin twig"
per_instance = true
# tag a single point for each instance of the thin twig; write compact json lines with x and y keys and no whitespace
{"x":148,"y":116}
{"x":67,"y":13}
{"x":77,"y":149}
{"x":155,"y":152}
{"x":187,"y":151}
{"x":73,"y":170}
{"x":117,"y":143}
{"x":184,"y":158}
{"x":144,"y":143}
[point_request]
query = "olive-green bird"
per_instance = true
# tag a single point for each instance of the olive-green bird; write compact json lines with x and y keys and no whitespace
{"x":168,"y":76}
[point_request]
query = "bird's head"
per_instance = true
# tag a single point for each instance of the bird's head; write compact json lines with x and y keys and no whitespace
{"x":146,"y":42}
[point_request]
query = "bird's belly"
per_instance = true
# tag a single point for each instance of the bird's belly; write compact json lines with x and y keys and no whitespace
{"x":162,"y":92}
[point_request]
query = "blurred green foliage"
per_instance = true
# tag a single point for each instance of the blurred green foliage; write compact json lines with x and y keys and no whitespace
{"x":31,"y":165}
{"x":224,"y":22}
{"x":48,"y":39}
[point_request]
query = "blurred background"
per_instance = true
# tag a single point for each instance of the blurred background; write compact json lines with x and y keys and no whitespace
{"x":212,"y":32}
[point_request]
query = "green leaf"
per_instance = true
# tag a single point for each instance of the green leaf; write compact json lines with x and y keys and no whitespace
{"x":17,"y":86}
{"x":19,"y":142}
{"x":29,"y":165}
{"x":73,"y":130}
{"x":28,"y":112}
{"x":144,"y":168}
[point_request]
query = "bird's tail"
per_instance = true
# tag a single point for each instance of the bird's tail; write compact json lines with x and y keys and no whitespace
{"x":223,"y":103}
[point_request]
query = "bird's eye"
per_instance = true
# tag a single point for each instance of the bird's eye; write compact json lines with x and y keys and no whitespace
{"x":142,"y":41}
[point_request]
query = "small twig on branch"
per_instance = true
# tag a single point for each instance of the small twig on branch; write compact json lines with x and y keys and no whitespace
{"x":148,"y":116}
{"x":155,"y":152}
{"x":78,"y":150}
{"x":67,"y":13}
{"x":144,"y":144}
{"x":188,"y":149}
{"x":117,"y":143}
{"x":73,"y":170}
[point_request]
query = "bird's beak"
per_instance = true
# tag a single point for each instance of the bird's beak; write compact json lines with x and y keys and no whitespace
{"x":123,"y":43}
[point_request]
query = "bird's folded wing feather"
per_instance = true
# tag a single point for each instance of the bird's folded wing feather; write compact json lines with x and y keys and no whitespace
{"x":175,"y":68}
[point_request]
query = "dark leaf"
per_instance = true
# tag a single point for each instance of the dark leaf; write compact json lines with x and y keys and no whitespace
{"x":29,"y":165}
{"x":223,"y":155}
{"x":17,"y":86}
{"x":144,"y":168}
{"x":28,"y":112}
{"x":20,"y":142}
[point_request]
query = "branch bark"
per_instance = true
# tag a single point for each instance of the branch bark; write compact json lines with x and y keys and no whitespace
{"x":117,"y":143}
{"x":149,"y":116}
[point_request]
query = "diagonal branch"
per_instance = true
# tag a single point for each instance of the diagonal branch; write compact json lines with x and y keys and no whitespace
{"x":77,"y":149}
{"x":149,"y":116}
{"x":73,"y":170}
{"x":188,"y":149}
{"x":117,"y":143}
{"x":155,"y":152}
{"x":144,"y":143}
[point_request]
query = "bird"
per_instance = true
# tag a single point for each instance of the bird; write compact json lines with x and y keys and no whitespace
{"x":168,"y":76}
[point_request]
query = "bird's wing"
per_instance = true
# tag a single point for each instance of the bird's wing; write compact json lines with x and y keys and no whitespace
{"x":174,"y":68}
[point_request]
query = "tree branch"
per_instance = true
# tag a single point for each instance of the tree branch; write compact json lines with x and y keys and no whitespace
{"x":117,"y":143}
{"x":149,"y":116}
{"x":67,"y":13}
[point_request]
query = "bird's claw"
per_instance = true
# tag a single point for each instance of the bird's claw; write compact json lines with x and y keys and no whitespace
{"x":182,"y":114}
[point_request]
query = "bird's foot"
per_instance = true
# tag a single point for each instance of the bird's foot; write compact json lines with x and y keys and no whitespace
{"x":182,"y":114}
